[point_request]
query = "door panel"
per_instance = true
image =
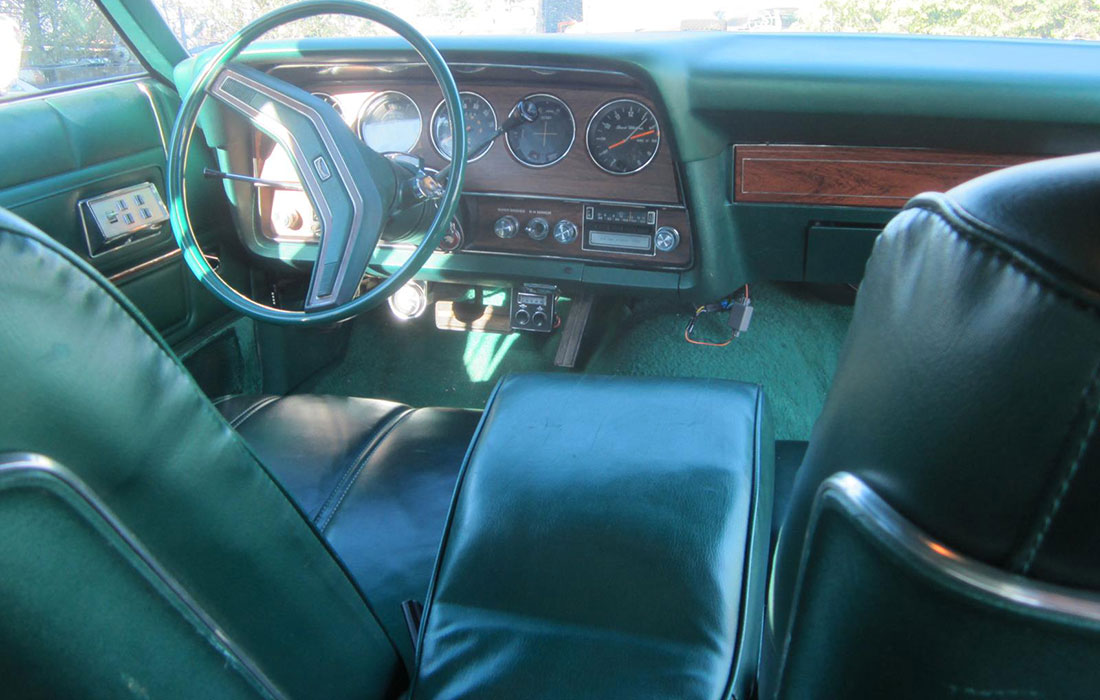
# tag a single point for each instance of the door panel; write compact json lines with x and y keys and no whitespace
{"x":74,"y":145}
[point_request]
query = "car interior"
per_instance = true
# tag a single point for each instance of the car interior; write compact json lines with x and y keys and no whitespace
{"x":692,"y":364}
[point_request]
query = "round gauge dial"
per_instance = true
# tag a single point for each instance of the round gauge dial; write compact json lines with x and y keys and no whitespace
{"x":623,"y":137}
{"x":481,"y":122}
{"x":390,"y":121}
{"x":546,"y":140}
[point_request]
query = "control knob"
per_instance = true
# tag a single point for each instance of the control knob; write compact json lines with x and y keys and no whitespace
{"x":565,"y":231}
{"x":667,"y":239}
{"x":523,"y":317}
{"x":506,"y":227}
{"x":537,"y":228}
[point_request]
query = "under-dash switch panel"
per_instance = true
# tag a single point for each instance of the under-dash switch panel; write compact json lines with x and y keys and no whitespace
{"x":122,"y":216}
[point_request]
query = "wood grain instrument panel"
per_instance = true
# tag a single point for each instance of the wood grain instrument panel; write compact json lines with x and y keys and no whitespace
{"x":497,"y":183}
{"x":854,"y":177}
{"x":499,"y":172}
{"x":483,"y":212}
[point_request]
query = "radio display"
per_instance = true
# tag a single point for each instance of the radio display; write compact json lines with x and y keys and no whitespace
{"x":628,"y":241}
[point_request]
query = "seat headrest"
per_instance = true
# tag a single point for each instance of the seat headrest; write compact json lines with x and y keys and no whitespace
{"x":1048,"y":210}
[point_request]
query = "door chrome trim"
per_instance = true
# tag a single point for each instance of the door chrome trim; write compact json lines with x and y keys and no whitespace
{"x":142,"y":267}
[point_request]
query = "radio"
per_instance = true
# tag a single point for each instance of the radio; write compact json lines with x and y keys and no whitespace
{"x":618,"y":229}
{"x":626,"y":230}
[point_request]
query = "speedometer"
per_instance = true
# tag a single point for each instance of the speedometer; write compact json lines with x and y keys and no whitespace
{"x":390,"y":121}
{"x":623,"y":137}
{"x":546,"y":140}
{"x":481,"y":123}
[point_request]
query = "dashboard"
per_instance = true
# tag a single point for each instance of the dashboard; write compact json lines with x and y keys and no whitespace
{"x":773,"y":157}
{"x":592,"y":178}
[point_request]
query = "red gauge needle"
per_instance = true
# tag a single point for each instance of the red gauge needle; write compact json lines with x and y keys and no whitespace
{"x":631,"y":138}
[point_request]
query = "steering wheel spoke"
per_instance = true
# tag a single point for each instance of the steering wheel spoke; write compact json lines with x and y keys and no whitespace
{"x":351,"y":199}
{"x":353,"y":189}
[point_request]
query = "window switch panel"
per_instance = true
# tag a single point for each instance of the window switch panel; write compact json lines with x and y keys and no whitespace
{"x":122,"y":216}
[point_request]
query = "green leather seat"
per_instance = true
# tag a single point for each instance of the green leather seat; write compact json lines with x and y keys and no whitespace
{"x":156,"y":547}
{"x":374,"y":478}
{"x":293,"y":582}
{"x":956,"y":554}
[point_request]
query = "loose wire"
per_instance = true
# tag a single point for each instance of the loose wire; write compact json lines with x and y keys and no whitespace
{"x":718,"y":306}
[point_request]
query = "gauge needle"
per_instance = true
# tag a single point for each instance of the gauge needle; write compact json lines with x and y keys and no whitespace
{"x":631,"y":138}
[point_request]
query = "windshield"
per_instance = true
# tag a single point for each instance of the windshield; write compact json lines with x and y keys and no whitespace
{"x":201,"y":23}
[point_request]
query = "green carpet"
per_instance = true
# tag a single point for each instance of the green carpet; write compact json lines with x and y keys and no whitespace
{"x":791,"y":349}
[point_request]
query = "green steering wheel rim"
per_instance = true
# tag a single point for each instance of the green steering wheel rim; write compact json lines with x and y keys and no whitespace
{"x":183,"y":130}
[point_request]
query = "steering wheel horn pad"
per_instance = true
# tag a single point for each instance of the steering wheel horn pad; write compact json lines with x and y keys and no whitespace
{"x":353,"y":189}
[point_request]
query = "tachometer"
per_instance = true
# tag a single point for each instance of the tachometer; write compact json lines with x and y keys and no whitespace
{"x":546,"y":140}
{"x":390,"y":121}
{"x":623,"y":137}
{"x":481,"y":122}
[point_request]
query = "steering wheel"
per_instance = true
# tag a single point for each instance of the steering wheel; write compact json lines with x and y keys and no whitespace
{"x":353,"y":189}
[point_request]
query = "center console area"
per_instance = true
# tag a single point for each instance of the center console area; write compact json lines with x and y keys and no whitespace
{"x":620,"y":526}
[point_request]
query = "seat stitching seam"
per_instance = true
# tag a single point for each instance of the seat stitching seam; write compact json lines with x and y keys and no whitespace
{"x":1044,"y":525}
{"x":1007,"y":257}
{"x":252,"y":410}
{"x":351,"y":474}
{"x":1074,"y":466}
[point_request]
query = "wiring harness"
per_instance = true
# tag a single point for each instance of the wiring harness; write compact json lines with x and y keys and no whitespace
{"x":739,"y":306}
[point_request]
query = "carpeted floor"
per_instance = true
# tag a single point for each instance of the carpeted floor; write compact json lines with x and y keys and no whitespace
{"x":791,"y":349}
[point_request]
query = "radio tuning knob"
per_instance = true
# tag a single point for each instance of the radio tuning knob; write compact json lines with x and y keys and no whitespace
{"x":537,"y":228}
{"x":565,"y":231}
{"x":667,"y":239}
{"x":506,"y":227}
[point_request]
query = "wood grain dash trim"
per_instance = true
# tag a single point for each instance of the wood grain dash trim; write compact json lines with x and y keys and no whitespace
{"x":854,"y":177}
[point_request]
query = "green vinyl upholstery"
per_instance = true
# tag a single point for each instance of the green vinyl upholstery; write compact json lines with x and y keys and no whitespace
{"x":606,"y":537}
{"x":967,"y":398}
{"x":87,"y":383}
{"x":610,"y":537}
{"x":374,"y":478}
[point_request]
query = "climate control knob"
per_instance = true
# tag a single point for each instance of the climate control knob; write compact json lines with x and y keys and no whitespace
{"x":522,"y":317}
{"x":565,"y":231}
{"x":667,"y":239}
{"x":506,"y":227}
{"x":537,"y":228}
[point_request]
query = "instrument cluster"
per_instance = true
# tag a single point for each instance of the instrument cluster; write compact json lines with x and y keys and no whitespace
{"x":621,"y":137}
